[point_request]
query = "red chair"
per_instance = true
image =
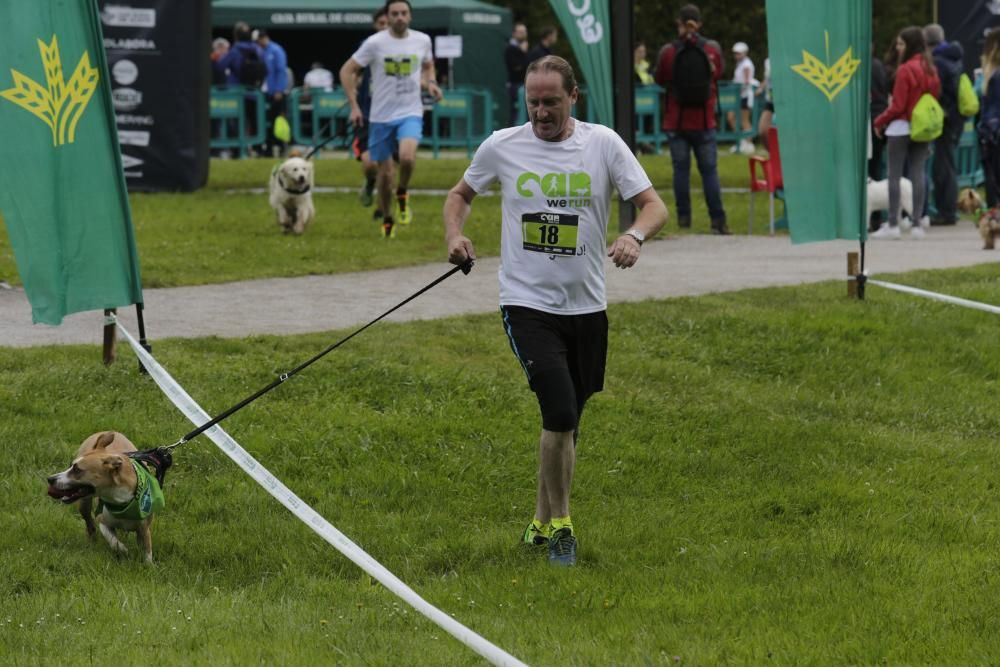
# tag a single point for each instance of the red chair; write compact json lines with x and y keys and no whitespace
{"x":769,"y":177}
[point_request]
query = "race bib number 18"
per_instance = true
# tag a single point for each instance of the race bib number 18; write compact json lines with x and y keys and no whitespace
{"x":553,"y":233}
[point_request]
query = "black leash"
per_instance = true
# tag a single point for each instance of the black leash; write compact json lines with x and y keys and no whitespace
{"x":351,"y":130}
{"x":464,"y":268}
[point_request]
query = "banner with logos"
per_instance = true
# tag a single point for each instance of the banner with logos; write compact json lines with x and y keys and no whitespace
{"x":587,"y":24}
{"x":62,"y":195}
{"x":157,"y":53}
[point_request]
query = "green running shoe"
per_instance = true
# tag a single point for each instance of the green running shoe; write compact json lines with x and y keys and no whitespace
{"x":405,"y":214}
{"x":533,"y":537}
{"x":365,"y":196}
{"x":562,"y":548}
{"x":388,"y":230}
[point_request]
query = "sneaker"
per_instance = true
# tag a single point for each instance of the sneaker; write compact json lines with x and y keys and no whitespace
{"x":365,"y":196}
{"x":377,"y":215}
{"x":562,"y":548}
{"x":388,"y":230}
{"x":405,"y":215}
{"x":917,"y":232}
{"x":721,"y":228}
{"x":925,"y":223}
{"x":684,"y":221}
{"x":905,"y":223}
{"x":886,"y":231}
{"x":533,"y":537}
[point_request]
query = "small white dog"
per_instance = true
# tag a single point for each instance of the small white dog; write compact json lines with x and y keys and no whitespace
{"x":291,"y":194}
{"x":878,"y":200}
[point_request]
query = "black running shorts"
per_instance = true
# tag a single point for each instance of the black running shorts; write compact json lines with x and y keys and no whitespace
{"x":564,"y":358}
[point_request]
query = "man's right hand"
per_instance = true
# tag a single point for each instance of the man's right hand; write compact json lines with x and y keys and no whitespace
{"x":460,"y":250}
{"x":357,"y":118}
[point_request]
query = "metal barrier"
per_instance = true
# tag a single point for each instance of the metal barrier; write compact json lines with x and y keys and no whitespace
{"x":729,"y":101}
{"x":229,"y":118}
{"x":648,"y":119}
{"x":317,"y":115}
{"x":467,"y":116}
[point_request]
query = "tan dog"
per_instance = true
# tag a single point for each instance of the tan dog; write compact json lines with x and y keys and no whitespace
{"x":970,"y":202}
{"x":291,"y":194}
{"x":126,"y":492}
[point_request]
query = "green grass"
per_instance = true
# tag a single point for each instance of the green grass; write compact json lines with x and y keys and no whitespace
{"x":215,"y":235}
{"x":779,"y":475}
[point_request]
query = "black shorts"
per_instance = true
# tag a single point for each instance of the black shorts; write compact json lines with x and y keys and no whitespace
{"x":360,"y":144}
{"x":563,"y":357}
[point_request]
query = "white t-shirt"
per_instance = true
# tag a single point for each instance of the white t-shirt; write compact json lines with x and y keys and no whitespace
{"x":556,"y":200}
{"x":319,"y":78}
{"x":742,"y":75}
{"x":396,"y":64}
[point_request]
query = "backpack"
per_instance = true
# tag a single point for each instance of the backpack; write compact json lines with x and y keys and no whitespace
{"x":927,"y":120}
{"x":692,"y":80}
{"x":253,"y":71}
{"x":968,"y":102}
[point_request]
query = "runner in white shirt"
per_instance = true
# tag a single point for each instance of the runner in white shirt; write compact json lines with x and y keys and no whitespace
{"x":402,"y":62}
{"x":556,"y":178}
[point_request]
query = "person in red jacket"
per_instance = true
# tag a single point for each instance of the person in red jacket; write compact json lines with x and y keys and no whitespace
{"x":689,"y":68}
{"x":915,"y":76}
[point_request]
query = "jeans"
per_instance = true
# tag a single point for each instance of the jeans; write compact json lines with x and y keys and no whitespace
{"x":706,"y":153}
{"x":943,"y":172}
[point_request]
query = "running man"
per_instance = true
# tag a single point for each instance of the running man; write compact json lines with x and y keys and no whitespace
{"x":369,"y":168}
{"x":402,"y":64}
{"x":552,"y":283}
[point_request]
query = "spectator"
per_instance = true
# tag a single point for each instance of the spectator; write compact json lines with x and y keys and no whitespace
{"x":548,"y":39}
{"x":220,"y":47}
{"x":948,"y":57}
{"x":915,"y":76}
{"x":641,"y":65}
{"x":689,"y":68}
{"x":743,"y":76}
{"x":515,"y":57}
{"x":879,"y":102}
{"x":989,"y":117}
{"x":243,"y":63}
{"x":318,"y":78}
{"x":275,"y":87}
{"x":764,"y":123}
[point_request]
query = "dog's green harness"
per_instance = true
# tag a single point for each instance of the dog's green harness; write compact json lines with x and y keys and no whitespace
{"x":148,"y":497}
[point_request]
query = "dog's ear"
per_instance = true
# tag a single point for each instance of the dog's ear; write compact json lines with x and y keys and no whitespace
{"x":295,"y":152}
{"x":105,"y":439}
{"x":112,"y":463}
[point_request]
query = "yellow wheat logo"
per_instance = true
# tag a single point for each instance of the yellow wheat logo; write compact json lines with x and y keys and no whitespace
{"x":62,"y":103}
{"x":829,"y":79}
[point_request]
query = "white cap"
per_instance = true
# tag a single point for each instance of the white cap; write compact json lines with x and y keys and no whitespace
{"x":741,"y":47}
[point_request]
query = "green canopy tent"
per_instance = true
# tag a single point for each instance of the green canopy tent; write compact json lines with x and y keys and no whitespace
{"x":484,"y":28}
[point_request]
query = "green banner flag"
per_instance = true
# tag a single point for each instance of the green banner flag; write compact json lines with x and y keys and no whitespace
{"x":589,"y":30}
{"x":820,"y":70}
{"x":63,"y":197}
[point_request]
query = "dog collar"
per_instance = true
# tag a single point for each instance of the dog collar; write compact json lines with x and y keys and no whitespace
{"x":290,"y":190}
{"x":148,"y":497}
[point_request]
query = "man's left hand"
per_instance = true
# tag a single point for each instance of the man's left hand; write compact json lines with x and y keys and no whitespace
{"x":435,"y":91}
{"x":624,"y":252}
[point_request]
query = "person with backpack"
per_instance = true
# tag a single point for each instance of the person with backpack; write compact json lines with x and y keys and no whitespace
{"x":916,"y":77}
{"x":989,"y":117}
{"x":948,"y":59}
{"x":689,"y":68}
{"x":242,"y":63}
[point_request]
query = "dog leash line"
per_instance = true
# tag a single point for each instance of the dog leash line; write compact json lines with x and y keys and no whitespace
{"x":283,"y":377}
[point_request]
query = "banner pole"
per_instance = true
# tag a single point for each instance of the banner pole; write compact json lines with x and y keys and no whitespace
{"x":142,"y":336}
{"x":622,"y":67}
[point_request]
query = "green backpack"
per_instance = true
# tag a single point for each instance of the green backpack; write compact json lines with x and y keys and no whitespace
{"x":927,"y":120}
{"x":968,"y":102}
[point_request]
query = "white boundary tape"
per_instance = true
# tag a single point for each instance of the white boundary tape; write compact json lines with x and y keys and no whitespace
{"x":309,"y":516}
{"x":937,"y":297}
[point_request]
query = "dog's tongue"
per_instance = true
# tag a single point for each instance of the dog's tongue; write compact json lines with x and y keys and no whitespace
{"x":54,"y":492}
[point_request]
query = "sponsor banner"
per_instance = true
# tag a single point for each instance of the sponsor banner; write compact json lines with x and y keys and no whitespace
{"x":587,"y":24}
{"x":821,"y":66}
{"x":63,"y":198}
{"x":159,"y":89}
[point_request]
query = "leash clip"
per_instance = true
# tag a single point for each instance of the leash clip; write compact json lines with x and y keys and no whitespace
{"x":467,"y":266}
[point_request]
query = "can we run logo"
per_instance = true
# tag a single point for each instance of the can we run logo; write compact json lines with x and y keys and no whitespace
{"x":560,"y":189}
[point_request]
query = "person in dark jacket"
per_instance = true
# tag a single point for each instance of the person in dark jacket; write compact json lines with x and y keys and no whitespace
{"x":989,"y":117}
{"x":692,"y":128}
{"x":878,"y":102}
{"x":948,"y":60}
{"x":547,"y":40}
{"x":515,"y":57}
